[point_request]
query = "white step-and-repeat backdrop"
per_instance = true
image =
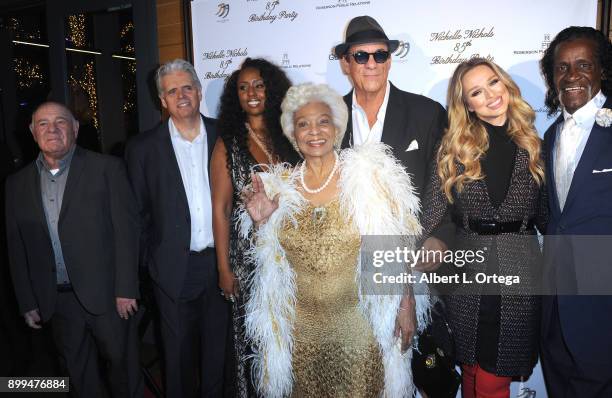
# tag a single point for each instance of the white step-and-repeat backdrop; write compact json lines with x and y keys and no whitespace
{"x":436,"y":35}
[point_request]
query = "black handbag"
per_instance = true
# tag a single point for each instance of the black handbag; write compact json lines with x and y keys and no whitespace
{"x":433,"y":360}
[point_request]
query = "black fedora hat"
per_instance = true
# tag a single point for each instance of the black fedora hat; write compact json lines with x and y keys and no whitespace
{"x":361,"y":30}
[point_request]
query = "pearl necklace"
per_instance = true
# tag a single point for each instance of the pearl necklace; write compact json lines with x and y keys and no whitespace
{"x":327,"y":181}
{"x":260,"y":144}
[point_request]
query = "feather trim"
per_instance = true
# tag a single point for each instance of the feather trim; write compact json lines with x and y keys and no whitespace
{"x":271,"y":306}
{"x":379,"y":196}
{"x":376,"y":192}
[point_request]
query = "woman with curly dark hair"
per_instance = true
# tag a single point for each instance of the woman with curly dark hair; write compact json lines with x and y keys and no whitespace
{"x":250,"y":135}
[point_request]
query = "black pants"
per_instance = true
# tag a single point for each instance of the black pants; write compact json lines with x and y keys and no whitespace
{"x":81,"y":338}
{"x":194,"y":331}
{"x":564,"y":376}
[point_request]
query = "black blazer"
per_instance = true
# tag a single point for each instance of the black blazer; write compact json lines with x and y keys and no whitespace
{"x":97,"y":229}
{"x":409,"y":117}
{"x":166,"y":223}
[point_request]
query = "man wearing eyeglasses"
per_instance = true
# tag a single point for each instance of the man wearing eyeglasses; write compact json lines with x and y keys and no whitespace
{"x":169,"y":170}
{"x":410,"y":124}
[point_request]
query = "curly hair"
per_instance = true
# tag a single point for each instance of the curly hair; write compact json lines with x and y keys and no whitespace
{"x":466,"y":139}
{"x":232,"y":118}
{"x":603,"y":52}
{"x":303,"y":94}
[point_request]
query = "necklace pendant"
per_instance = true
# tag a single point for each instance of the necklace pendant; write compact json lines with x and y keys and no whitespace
{"x":319,"y":214}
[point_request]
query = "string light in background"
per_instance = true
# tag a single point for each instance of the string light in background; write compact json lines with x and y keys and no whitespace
{"x":28,"y":73}
{"x":87,"y":82}
{"x":76,"y":30}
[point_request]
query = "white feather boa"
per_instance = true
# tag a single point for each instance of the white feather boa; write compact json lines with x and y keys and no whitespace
{"x":377,"y":194}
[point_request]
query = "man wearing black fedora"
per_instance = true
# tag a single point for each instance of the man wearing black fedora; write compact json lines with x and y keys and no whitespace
{"x":410,"y":124}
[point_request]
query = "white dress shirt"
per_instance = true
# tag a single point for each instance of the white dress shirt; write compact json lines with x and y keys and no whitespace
{"x":192,"y":157}
{"x":362,"y":132}
{"x":584,"y":118}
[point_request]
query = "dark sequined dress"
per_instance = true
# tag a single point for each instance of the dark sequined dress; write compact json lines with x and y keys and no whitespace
{"x":241,"y":165}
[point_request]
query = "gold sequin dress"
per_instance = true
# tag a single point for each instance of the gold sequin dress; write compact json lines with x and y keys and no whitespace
{"x":335,"y":353}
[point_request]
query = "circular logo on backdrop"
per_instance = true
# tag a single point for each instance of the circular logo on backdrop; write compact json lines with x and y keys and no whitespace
{"x":223,"y":10}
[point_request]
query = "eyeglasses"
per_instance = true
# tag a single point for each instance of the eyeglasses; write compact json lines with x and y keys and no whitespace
{"x":362,"y":57}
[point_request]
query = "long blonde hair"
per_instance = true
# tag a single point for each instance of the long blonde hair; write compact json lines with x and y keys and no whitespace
{"x":466,"y":140}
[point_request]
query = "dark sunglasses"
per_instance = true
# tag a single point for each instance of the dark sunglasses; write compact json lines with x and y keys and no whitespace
{"x":362,"y":57}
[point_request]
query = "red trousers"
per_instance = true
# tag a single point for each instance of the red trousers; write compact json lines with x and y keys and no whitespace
{"x":478,"y":383}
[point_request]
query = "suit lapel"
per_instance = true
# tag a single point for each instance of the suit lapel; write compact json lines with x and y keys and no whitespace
{"x":77,"y":164}
{"x":348,"y":136}
{"x":211,"y":138}
{"x":598,"y":141}
{"x":168,"y":160}
{"x":36,"y":198}
{"x":552,"y":186}
{"x":395,"y":119}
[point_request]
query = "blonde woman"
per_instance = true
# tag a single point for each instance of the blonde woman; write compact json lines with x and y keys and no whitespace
{"x":489,"y":176}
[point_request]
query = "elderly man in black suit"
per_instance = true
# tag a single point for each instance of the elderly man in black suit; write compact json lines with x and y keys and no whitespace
{"x":169,"y":170}
{"x":73,"y":250}
{"x":410,"y":124}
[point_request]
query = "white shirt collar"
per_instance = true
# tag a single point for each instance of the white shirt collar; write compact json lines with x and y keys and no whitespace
{"x":174,"y":133}
{"x":361,"y":129}
{"x":585,"y":116}
{"x":383,"y":107}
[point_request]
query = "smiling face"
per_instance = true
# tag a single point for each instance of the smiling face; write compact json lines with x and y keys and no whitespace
{"x":486,"y":95}
{"x":369,"y":78}
{"x":180,"y":96}
{"x":55,"y":130}
{"x":314,"y":130}
{"x":251,"y":92}
{"x":577,"y":73}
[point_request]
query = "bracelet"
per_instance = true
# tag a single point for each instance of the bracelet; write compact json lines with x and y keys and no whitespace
{"x":403,"y":309}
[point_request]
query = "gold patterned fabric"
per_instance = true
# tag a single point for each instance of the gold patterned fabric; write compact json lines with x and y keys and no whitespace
{"x":335,"y":353}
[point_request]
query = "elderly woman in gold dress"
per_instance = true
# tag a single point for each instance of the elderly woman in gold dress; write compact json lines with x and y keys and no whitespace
{"x":316,"y":332}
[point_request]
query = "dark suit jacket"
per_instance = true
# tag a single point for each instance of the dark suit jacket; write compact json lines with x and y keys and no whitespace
{"x":97,"y":229}
{"x":409,"y":117}
{"x":577,"y":261}
{"x":156,"y":179}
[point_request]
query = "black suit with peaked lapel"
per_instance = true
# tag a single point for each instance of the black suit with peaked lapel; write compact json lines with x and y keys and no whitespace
{"x":186,"y":285}
{"x":409,"y":118}
{"x":99,"y":239}
{"x":417,"y":122}
{"x":576,"y":322}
